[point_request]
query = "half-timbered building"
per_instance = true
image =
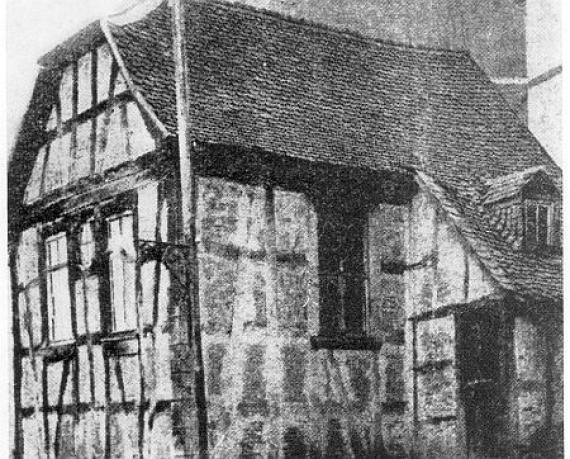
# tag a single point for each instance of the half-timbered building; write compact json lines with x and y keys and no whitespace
{"x":378,"y":249}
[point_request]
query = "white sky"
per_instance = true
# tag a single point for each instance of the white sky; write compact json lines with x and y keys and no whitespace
{"x":33,"y":27}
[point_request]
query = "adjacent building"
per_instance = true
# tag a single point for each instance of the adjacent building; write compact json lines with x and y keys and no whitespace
{"x":379,"y":248}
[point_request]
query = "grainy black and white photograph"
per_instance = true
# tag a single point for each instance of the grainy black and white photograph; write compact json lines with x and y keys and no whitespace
{"x":285,"y":229}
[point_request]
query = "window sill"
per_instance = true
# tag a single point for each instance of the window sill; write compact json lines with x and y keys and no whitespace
{"x":57,"y":350}
{"x":119,"y":336}
{"x":357,"y":343}
{"x":121,"y":343}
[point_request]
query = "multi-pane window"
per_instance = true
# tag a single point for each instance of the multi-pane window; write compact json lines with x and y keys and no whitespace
{"x":122,"y":272}
{"x":87,"y":283}
{"x":542,"y":224}
{"x":58,"y":298}
{"x":342,"y":272}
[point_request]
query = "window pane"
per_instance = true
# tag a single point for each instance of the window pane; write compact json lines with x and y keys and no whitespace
{"x":87,"y":305}
{"x":542,"y":226}
{"x":80,"y":306}
{"x":56,"y":250}
{"x":531,"y":224}
{"x":59,"y":304}
{"x":122,"y":272}
{"x":117,"y":299}
{"x":87,"y":245}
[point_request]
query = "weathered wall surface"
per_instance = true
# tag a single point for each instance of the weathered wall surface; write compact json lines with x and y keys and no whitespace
{"x":450,"y":277}
{"x":103,"y":393}
{"x":537,"y":389}
{"x":387,"y":243}
{"x":269,"y":392}
{"x":530,"y":381}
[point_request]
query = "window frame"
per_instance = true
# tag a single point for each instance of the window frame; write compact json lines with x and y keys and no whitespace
{"x":533,"y":241}
{"x":55,"y":311}
{"x":338,"y":336}
{"x":126,"y":325}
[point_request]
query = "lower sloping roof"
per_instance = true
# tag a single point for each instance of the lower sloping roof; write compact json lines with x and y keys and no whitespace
{"x":508,"y":186}
{"x":529,"y":276}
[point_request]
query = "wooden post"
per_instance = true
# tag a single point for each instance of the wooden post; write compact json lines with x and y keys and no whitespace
{"x":188,"y":197}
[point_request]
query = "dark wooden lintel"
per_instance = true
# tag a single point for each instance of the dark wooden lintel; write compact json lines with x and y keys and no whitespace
{"x":394,"y":407}
{"x":81,"y":195}
{"x":433,"y":365}
{"x":362,"y":343}
{"x":490,"y":302}
{"x":440,"y":419}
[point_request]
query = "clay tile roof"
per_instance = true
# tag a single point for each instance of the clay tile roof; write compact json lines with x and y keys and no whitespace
{"x":305,"y":90}
{"x":289,"y":87}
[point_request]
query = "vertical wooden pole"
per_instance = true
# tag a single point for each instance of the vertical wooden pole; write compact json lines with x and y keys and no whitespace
{"x":141,"y":354}
{"x":188,"y":197}
{"x":18,"y":451}
{"x":271,"y":250}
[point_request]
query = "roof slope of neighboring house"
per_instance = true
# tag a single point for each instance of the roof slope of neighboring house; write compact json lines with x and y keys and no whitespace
{"x":299,"y":89}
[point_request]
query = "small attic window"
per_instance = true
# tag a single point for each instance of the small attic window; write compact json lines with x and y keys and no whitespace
{"x":526,"y":208}
{"x":542,"y":224}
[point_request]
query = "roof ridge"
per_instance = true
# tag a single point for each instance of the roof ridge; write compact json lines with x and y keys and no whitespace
{"x":349,"y":33}
{"x":529,"y":170}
